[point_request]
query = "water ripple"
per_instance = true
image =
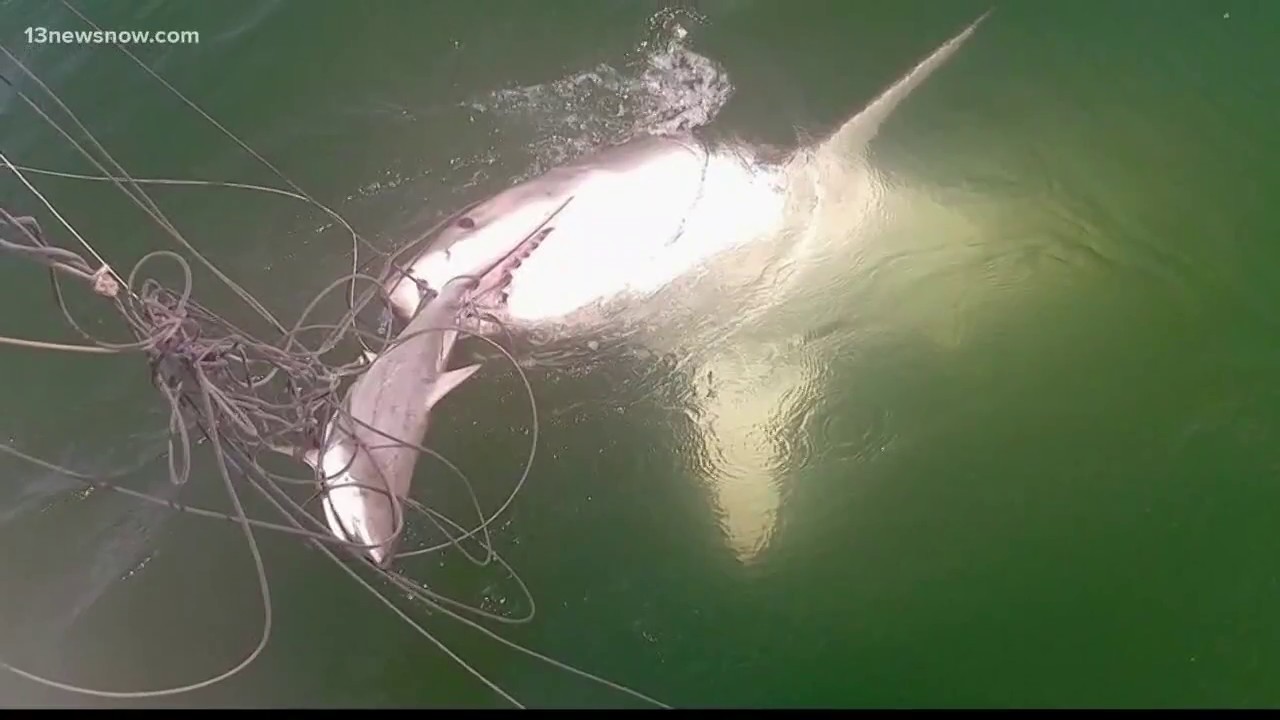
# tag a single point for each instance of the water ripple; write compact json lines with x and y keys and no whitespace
{"x":663,"y":87}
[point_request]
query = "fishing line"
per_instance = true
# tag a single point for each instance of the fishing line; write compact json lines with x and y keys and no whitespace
{"x":197,"y":352}
{"x":215,"y":407}
{"x":174,"y":342}
{"x":243,"y":394}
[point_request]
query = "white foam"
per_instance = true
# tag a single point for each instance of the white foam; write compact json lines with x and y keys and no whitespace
{"x":664,"y":87}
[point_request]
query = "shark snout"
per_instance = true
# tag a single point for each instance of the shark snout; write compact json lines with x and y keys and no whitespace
{"x":362,"y":516}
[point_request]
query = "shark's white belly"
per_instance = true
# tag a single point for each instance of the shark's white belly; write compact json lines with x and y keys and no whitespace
{"x":633,"y":233}
{"x":345,"y":506}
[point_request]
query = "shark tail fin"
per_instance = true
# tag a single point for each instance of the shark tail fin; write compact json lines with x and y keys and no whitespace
{"x":859,"y":130}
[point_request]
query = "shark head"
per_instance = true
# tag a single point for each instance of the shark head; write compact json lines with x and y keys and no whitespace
{"x":633,"y":189}
{"x":478,"y":240}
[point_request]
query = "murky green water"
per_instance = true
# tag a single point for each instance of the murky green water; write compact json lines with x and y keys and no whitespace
{"x":1015,"y":446}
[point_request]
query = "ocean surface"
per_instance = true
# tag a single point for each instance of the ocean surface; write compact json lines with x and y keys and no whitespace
{"x":1016,"y":442}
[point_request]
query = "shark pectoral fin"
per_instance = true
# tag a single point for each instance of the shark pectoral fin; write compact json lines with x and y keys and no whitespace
{"x":448,"y":381}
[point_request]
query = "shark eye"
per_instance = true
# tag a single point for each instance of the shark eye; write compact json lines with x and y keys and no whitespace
{"x":465,"y":223}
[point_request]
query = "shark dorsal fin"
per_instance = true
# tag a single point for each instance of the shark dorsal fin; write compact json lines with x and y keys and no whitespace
{"x":448,"y":381}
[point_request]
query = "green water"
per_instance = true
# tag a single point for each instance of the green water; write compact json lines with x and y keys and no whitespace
{"x":1038,"y":468}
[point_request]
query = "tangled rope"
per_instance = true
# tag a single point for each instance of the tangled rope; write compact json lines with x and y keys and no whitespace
{"x":243,"y":395}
